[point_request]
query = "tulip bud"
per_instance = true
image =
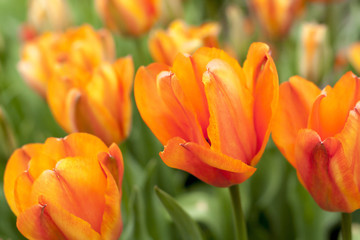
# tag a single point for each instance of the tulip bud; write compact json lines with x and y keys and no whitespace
{"x":47,"y":15}
{"x":64,"y":188}
{"x":132,"y":18}
{"x":276,"y":16}
{"x":313,"y":51}
{"x":179,"y":37}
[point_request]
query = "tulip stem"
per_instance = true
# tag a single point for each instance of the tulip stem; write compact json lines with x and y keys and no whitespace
{"x":346,"y":226}
{"x":240,"y":224}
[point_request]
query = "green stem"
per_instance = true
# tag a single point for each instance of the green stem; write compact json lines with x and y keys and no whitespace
{"x":240,"y":225}
{"x":346,"y":226}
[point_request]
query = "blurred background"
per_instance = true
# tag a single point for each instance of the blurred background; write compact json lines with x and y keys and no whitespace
{"x":276,"y":205}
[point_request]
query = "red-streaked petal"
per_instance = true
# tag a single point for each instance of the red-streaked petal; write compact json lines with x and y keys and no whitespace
{"x":16,"y":165}
{"x":231,"y":130}
{"x":325,"y":172}
{"x":295,"y":101}
{"x":213,"y":168}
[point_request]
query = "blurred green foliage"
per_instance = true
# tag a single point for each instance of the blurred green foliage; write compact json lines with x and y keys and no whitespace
{"x":275,"y":203}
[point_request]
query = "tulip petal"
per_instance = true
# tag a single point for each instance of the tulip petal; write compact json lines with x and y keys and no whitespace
{"x":16,"y":165}
{"x":22,"y":191}
{"x":111,"y":225}
{"x":328,"y":106}
{"x":48,"y":220}
{"x":213,"y":168}
{"x":83,"y":145}
{"x":325,"y":172}
{"x":231,"y":130}
{"x":113,"y":160}
{"x":350,"y":140}
{"x":162,"y":47}
{"x":295,"y":102}
{"x":186,"y":71}
{"x":68,"y":186}
{"x":151,"y":106}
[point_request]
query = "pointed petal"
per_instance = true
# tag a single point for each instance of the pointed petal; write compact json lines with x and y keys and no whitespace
{"x":16,"y":165}
{"x":325,"y":173}
{"x":151,"y":106}
{"x":328,"y":106}
{"x":231,"y":130}
{"x":213,"y":168}
{"x":295,"y":101}
{"x":111,"y":225}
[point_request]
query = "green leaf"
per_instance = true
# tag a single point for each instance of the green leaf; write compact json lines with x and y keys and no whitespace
{"x":187,"y":227}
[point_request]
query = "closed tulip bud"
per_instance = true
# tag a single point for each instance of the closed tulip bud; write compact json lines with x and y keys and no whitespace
{"x":313,"y":51}
{"x":212,"y":115}
{"x":96,"y":101}
{"x":353,"y":54}
{"x":42,"y":56}
{"x":133,"y":18}
{"x":66,"y":188}
{"x":276,"y":16}
{"x":179,"y":37}
{"x":47,"y":15}
{"x":319,"y":134}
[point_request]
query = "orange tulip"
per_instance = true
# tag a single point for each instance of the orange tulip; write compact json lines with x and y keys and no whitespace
{"x":277,"y":16}
{"x":353,"y":54}
{"x":212,"y":115}
{"x":319,"y":134}
{"x":81,"y":46}
{"x":133,"y":18}
{"x":66,"y":188}
{"x":179,"y":37}
{"x":96,"y":101}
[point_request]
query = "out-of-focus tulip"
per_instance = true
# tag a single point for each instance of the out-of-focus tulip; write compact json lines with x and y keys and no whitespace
{"x":132,"y":18}
{"x":319,"y":134}
{"x":96,"y":101}
{"x":81,"y":47}
{"x":66,"y":188}
{"x":47,"y":15}
{"x":353,"y":55}
{"x":313,"y":51}
{"x":277,"y":16}
{"x":179,"y":37}
{"x":213,"y":116}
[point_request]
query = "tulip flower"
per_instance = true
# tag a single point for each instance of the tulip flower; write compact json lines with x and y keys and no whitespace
{"x":319,"y":134}
{"x":179,"y":37}
{"x":212,"y":115}
{"x":353,"y":54}
{"x":84,"y":47}
{"x":47,"y":15}
{"x":96,"y":101}
{"x":313,"y":51}
{"x":67,"y":188}
{"x":132,"y":18}
{"x":276,"y":16}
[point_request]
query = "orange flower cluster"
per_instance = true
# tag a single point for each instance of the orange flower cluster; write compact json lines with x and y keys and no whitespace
{"x":213,"y":116}
{"x":179,"y":37}
{"x":86,"y":92}
{"x":318,"y":133}
{"x":66,"y":188}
